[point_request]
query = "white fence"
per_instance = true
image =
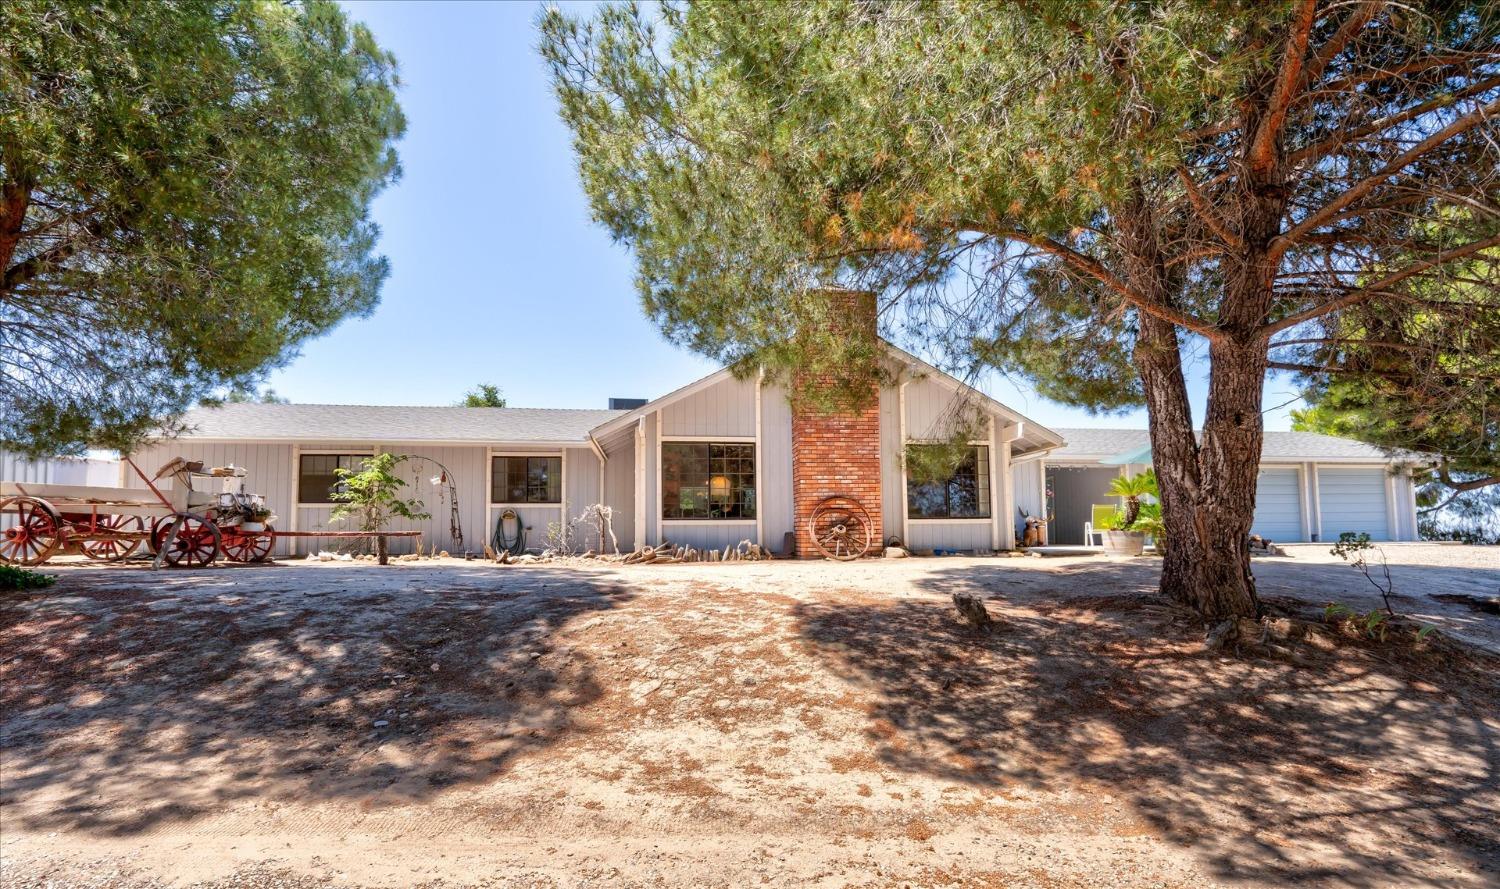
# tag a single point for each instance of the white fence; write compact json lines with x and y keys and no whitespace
{"x":93,"y":471}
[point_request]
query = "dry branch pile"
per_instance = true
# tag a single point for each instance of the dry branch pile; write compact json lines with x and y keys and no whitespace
{"x":667,"y":552}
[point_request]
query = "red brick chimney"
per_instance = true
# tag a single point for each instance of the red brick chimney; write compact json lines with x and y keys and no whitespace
{"x":837,"y":453}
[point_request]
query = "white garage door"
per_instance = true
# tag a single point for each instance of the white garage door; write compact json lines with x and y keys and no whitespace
{"x":1278,"y":509}
{"x":1353,"y":500}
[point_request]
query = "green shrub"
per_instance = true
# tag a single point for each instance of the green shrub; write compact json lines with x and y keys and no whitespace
{"x":13,"y":578}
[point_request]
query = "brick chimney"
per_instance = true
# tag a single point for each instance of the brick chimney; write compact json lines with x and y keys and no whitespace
{"x":837,"y":453}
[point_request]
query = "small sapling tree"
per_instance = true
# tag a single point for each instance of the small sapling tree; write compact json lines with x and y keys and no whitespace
{"x":1355,"y":548}
{"x":372,"y":496}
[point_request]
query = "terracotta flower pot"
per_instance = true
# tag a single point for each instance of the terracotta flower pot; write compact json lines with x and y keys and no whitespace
{"x":1124,"y":543}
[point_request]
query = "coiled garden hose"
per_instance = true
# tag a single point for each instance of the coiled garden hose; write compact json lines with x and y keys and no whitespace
{"x":497,"y":540}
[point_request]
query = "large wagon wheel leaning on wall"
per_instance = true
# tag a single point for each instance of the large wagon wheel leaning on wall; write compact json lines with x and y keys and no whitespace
{"x":30,"y":531}
{"x":109,"y":547}
{"x":841,"y":529}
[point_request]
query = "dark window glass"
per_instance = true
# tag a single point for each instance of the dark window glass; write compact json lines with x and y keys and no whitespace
{"x":701,"y":480}
{"x":966,"y":495}
{"x":526,"y":480}
{"x":316,"y":479}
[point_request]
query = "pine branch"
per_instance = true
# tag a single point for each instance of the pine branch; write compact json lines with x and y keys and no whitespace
{"x":1366,"y":185}
{"x":1358,"y":296}
{"x":1263,"y":145}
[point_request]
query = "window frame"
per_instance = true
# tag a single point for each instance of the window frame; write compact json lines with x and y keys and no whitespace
{"x":562,"y":469}
{"x":708,"y":441}
{"x":343,"y":452}
{"x":982,"y":463}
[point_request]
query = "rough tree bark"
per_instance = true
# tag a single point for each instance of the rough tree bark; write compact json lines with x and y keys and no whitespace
{"x":1208,"y":485}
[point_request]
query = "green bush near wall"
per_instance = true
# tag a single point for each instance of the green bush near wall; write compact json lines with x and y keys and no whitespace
{"x":13,"y":578}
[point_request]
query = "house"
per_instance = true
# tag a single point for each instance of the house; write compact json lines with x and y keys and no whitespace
{"x":726,"y":459}
{"x":1311,"y":487}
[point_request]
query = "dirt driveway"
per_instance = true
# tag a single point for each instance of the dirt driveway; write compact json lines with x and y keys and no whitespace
{"x":726,"y":725}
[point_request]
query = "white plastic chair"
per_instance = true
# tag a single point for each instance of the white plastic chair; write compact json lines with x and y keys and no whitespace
{"x":1089,"y":533}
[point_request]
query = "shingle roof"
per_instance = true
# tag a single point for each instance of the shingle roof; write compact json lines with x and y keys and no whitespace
{"x":1277,"y":446}
{"x":357,"y":422}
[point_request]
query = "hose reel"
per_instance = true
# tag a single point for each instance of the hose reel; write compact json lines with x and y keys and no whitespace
{"x":515,"y":546}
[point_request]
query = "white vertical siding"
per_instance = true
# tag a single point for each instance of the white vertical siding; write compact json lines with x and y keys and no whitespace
{"x":1311,"y":501}
{"x":892,"y":463}
{"x":467,"y":465}
{"x":619,"y":490}
{"x":1406,"y":507}
{"x":581,"y":476}
{"x":1354,"y":500}
{"x":651,"y":489}
{"x":91,"y":471}
{"x":931,"y":408}
{"x":707,"y":534}
{"x":962,"y":535}
{"x":774,"y":494}
{"x":725,"y":408}
{"x":269,"y":467}
{"x":1278,"y":504}
{"x":1002,"y":488}
{"x":15,"y":468}
{"x":1026,"y":481}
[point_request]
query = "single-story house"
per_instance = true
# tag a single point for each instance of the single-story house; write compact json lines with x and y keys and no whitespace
{"x":727,"y":458}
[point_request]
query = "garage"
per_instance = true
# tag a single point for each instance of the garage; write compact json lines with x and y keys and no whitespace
{"x":1309,"y":486}
{"x":1353,"y":500}
{"x":1278,"y":504}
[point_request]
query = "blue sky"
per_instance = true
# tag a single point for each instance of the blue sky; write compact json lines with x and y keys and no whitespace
{"x":497,"y":274}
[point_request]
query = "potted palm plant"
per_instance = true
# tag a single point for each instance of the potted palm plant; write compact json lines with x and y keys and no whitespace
{"x":1123,"y":535}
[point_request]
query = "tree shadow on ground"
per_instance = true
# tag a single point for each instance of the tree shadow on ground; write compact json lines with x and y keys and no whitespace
{"x":129,"y":700}
{"x":1357,"y":766}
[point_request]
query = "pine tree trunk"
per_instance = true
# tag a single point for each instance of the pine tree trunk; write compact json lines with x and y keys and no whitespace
{"x":1208,"y":486}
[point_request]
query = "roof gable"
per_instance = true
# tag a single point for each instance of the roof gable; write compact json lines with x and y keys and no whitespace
{"x":1041,"y":434}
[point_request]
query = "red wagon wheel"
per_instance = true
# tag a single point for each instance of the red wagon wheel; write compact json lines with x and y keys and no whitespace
{"x":254,"y":546}
{"x":112,"y":548}
{"x":30,"y":531}
{"x":841,"y":529}
{"x":197,"y":542}
{"x":159,"y":528}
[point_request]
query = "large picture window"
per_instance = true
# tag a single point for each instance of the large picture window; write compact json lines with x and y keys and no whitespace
{"x":526,"y":480}
{"x":964,"y":495}
{"x":317,"y":481}
{"x":703,"y":480}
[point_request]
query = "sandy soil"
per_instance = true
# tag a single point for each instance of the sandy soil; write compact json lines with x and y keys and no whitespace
{"x":728,"y":725}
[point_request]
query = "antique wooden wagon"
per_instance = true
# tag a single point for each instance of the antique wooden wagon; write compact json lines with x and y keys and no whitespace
{"x":185,"y":525}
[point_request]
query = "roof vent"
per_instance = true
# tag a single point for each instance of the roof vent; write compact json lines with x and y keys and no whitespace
{"x":626,"y":404}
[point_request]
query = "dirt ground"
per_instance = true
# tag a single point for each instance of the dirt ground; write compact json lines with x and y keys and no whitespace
{"x":811,"y":724}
